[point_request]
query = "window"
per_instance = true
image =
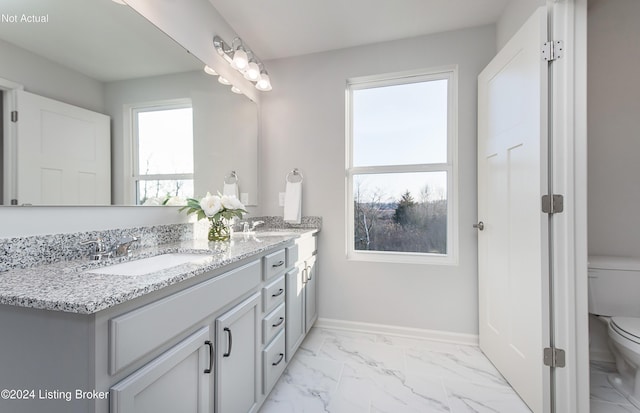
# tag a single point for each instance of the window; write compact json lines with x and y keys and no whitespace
{"x":401,"y":143}
{"x":163,"y":152}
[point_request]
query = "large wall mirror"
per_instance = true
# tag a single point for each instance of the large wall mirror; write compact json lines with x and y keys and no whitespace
{"x":171,"y":128}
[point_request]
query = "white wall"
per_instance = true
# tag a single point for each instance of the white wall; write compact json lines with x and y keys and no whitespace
{"x":513,"y":17}
{"x":24,"y":221}
{"x":46,"y":78}
{"x":614,"y":127}
{"x":303,"y":126}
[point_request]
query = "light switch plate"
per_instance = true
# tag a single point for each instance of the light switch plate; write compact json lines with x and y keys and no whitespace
{"x":244,"y":198}
{"x":281,"y":199}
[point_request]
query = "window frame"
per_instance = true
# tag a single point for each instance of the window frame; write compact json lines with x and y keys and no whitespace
{"x":134,"y":176}
{"x":450,"y":73}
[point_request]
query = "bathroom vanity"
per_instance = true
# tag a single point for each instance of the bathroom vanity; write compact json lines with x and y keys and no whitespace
{"x":212,"y":334}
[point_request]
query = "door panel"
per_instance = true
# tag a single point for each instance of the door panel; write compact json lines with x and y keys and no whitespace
{"x":63,"y":153}
{"x":513,"y":247}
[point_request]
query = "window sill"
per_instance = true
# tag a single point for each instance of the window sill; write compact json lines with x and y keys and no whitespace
{"x":402,"y":258}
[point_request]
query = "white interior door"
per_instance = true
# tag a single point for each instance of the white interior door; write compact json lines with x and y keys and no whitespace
{"x":513,"y":246}
{"x":63,"y":153}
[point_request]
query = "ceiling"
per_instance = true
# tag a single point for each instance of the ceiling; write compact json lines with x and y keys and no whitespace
{"x":283,"y":28}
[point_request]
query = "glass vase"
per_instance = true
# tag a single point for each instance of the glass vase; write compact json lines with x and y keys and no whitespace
{"x":219,"y":230}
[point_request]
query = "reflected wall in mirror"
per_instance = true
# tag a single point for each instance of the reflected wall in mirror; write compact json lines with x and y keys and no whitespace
{"x":105,"y":58}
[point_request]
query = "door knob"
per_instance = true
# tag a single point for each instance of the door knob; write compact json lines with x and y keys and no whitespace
{"x":479,"y":225}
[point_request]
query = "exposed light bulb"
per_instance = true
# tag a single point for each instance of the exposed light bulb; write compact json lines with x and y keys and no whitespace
{"x":264,"y":84}
{"x":223,"y":80}
{"x":240,"y":60}
{"x":236,"y":90}
{"x":253,"y":72}
{"x":209,"y":71}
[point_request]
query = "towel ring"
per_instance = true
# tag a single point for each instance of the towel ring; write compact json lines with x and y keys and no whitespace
{"x":232,"y":178}
{"x":292,"y":173}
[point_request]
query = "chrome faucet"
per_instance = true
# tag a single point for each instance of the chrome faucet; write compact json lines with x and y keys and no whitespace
{"x":121,"y":249}
{"x":250,"y":227}
{"x":254,"y":224}
{"x":100,"y":252}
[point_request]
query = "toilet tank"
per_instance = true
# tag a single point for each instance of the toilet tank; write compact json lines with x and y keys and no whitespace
{"x":614,"y":286}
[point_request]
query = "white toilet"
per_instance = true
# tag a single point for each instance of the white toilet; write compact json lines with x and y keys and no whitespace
{"x":614,"y":295}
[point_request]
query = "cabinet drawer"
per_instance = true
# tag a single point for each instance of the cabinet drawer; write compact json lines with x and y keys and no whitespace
{"x":273,"y":294}
{"x":273,"y":363}
{"x":139,"y":332}
{"x":274,"y":264}
{"x":273,"y":323}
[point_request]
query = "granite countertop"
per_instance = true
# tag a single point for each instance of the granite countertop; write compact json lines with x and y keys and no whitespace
{"x":70,"y":286}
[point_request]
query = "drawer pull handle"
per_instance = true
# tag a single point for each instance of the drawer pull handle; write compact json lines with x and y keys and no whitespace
{"x":210,"y":344}
{"x":279,"y":323}
{"x":279,"y":360}
{"x":230,"y":341}
{"x":280,"y":292}
{"x":278,"y":264}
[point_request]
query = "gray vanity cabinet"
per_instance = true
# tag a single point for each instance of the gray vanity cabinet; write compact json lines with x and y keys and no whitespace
{"x":180,"y":380}
{"x":237,"y":349}
{"x":301,"y":292}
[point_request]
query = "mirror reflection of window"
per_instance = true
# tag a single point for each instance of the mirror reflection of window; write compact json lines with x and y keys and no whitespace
{"x":163,"y":145}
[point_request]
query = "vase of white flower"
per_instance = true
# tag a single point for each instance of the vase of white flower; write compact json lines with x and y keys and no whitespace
{"x":219,"y":230}
{"x":219,"y":210}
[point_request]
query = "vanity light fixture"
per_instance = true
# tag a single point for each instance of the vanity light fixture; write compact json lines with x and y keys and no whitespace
{"x":223,"y":80}
{"x":236,"y":90}
{"x":241,"y":58}
{"x":210,"y":71}
{"x":120,"y":2}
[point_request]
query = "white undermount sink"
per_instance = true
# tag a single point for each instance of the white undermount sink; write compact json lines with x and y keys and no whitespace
{"x":149,"y":265}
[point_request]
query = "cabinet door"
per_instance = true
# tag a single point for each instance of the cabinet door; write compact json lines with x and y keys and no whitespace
{"x":237,"y":364}
{"x":310,"y":293}
{"x":294,"y":319}
{"x":174,"y":382}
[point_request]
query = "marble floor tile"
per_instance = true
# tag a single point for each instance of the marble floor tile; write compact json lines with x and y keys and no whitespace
{"x":598,"y":406}
{"x":453,"y":363}
{"x":373,"y":354}
{"x":468,"y":397}
{"x":339,"y":371}
{"x":604,"y":398}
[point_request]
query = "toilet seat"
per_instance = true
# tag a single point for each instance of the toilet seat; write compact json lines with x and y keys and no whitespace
{"x":627,"y":327}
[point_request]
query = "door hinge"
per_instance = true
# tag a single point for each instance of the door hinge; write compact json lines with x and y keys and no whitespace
{"x":552,"y":50}
{"x":552,"y":204}
{"x":14,"y":116}
{"x":554,"y":357}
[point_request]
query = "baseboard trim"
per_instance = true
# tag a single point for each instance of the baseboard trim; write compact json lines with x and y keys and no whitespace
{"x":408,"y":332}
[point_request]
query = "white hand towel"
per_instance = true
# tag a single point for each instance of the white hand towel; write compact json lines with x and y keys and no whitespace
{"x":293,"y":202}
{"x":230,"y":189}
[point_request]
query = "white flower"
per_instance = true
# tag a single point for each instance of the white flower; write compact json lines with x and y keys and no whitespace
{"x":231,"y":202}
{"x":176,"y":201}
{"x":211,"y":204}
